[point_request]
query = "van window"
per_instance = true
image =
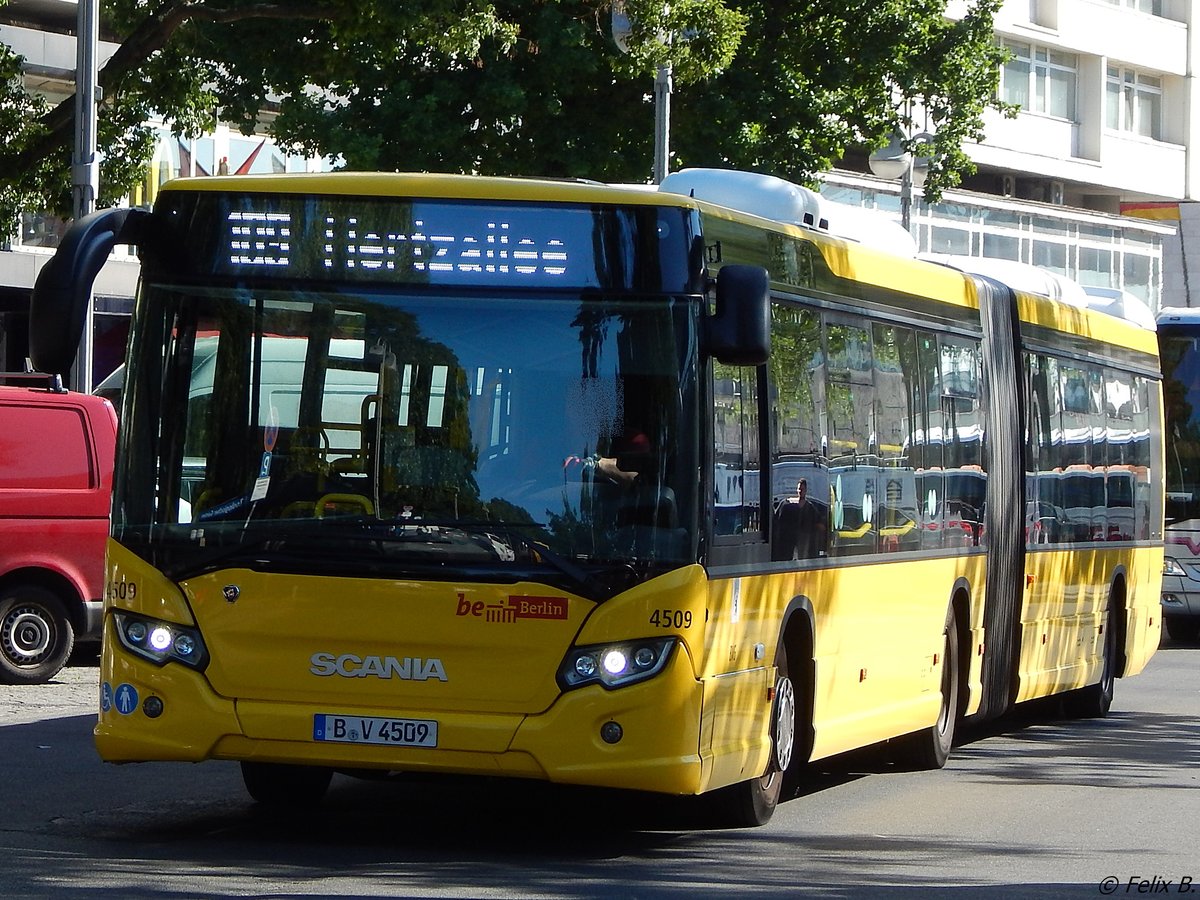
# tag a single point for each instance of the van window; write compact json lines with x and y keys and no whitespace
{"x":58,"y":461}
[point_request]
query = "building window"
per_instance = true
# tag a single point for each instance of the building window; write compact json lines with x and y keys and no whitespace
{"x":1039,"y":79}
{"x":1133,"y":102}
{"x":1153,"y":7}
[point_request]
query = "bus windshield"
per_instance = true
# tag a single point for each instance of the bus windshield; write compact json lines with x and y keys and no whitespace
{"x":1181,"y":396}
{"x":412,"y":433}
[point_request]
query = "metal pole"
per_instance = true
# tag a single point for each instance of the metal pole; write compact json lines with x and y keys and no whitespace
{"x":85,"y":167}
{"x":906,"y":197}
{"x":662,"y":122}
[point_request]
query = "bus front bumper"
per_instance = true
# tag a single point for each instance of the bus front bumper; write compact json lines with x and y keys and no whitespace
{"x":641,"y":737}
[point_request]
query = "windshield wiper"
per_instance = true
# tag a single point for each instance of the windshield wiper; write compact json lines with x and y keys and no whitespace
{"x":270,"y":539}
{"x":577,"y":579}
{"x":203,"y":556}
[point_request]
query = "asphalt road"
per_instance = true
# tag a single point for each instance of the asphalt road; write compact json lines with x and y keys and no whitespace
{"x":1032,"y":807}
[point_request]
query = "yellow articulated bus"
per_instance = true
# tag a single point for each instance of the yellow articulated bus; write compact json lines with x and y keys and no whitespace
{"x":596,"y":485}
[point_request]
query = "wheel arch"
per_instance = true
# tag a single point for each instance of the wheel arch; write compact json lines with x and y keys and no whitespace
{"x":797,"y":637}
{"x":1118,"y":599}
{"x":960,"y":602}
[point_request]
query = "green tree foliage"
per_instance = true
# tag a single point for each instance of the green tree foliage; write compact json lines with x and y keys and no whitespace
{"x":812,"y":79}
{"x":20,"y":116}
{"x":519,"y":86}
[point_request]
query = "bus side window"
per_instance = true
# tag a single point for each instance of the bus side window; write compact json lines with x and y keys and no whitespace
{"x":736,"y":460}
{"x":799,"y":522}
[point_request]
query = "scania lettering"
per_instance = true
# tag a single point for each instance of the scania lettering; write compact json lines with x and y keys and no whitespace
{"x":350,"y":666}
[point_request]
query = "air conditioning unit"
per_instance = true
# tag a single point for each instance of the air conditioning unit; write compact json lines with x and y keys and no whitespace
{"x":1008,"y":185}
{"x":1056,"y":193}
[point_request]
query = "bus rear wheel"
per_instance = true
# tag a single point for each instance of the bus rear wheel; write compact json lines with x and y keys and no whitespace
{"x":930,"y":747}
{"x":1094,"y":701}
{"x":36,"y":636}
{"x":283,"y":786}
{"x":752,"y":803}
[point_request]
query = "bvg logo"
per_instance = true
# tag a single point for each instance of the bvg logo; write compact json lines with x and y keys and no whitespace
{"x":518,"y":606}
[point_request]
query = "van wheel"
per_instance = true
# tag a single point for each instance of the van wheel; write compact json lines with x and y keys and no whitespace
{"x":284,"y":786}
{"x":36,"y":636}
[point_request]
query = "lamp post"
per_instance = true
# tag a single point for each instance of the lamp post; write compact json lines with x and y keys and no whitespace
{"x":85,"y":167}
{"x":622,"y":30}
{"x":662,"y":122}
{"x":896,"y":162}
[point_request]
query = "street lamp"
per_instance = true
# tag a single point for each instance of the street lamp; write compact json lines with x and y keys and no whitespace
{"x":85,"y":166}
{"x":896,"y":162}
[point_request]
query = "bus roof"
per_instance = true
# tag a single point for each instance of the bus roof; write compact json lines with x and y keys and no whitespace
{"x":1178,"y":315}
{"x":424,"y":185}
{"x":741,"y":199}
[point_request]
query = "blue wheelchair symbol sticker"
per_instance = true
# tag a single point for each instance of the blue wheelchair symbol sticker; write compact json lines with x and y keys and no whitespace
{"x":106,"y":697}
{"x":126,"y":699}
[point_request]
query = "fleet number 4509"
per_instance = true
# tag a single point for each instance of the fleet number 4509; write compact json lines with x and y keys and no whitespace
{"x":671,"y":618}
{"x":122,"y":590}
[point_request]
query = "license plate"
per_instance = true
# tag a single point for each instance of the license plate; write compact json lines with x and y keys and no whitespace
{"x":367,"y":730}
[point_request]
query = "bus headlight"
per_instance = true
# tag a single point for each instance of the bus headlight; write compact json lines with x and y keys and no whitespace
{"x":1171,"y":567}
{"x":161,"y":642}
{"x":615,"y":665}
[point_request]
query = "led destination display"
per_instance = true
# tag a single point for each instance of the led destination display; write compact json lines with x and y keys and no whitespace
{"x":441,"y":242}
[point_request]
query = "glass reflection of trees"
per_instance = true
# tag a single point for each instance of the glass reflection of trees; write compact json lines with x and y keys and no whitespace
{"x":884,"y":425}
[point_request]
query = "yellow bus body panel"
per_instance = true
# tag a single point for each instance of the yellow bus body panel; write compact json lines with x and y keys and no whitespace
{"x":1065,"y":608}
{"x":878,"y":651}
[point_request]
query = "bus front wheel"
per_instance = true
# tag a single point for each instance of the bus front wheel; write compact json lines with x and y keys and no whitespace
{"x":275,"y":785}
{"x":752,"y":803}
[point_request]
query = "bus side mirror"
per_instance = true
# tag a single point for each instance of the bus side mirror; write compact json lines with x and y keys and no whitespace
{"x":63,"y":289}
{"x":739,"y":334}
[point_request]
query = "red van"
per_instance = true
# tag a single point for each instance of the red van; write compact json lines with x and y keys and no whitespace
{"x":56,"y":465}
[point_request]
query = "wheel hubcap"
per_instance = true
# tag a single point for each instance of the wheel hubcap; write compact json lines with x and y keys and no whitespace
{"x":26,"y":635}
{"x":785,"y":723}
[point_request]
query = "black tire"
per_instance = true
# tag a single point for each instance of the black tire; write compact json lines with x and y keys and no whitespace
{"x":36,"y":637}
{"x":752,"y":803}
{"x":930,"y":747}
{"x":1182,"y":629}
{"x":283,"y":786}
{"x":1094,"y":701}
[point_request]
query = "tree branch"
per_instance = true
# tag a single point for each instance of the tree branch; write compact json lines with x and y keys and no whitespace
{"x":147,"y":39}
